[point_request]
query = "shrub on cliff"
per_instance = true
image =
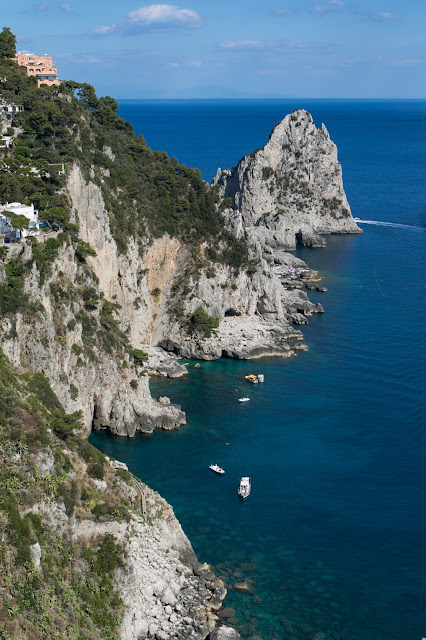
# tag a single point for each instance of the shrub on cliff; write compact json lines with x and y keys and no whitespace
{"x":139,"y":357}
{"x":12,"y":296}
{"x":65,"y":425}
{"x":201,"y":322}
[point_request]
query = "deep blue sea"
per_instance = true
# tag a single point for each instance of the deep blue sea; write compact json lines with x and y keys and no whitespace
{"x":333,"y":536}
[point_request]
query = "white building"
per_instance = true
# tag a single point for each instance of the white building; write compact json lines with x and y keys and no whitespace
{"x":19,"y":209}
{"x":5,"y":141}
{"x":8,"y":110}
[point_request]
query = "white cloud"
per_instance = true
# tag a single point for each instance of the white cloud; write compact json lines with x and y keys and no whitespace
{"x":83,"y":58}
{"x":163,"y":14}
{"x":382,"y":16}
{"x":92,"y":59}
{"x":195,"y":63}
{"x":368,"y":60}
{"x":48,"y":6}
{"x":410,"y":62}
{"x":151,"y":17}
{"x":279,"y":46}
{"x":103,"y":29}
{"x":282,"y":11}
{"x":246,"y":44}
{"x":332,"y":5}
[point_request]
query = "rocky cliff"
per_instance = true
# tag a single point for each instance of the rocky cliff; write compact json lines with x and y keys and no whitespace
{"x":87,"y":550}
{"x":290,"y":191}
{"x":69,"y":327}
{"x":167,"y":593}
{"x":143,"y":263}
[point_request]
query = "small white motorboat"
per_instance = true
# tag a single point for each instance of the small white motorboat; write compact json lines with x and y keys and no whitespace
{"x":217,"y":469}
{"x":244,"y":488}
{"x":243,"y":399}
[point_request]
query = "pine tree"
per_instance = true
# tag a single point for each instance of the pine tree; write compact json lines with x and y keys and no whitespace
{"x":7,"y":44}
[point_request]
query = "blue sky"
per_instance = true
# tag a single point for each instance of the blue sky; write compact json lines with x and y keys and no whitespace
{"x":231,"y":48}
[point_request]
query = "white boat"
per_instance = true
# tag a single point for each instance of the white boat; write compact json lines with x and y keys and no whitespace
{"x":216,"y":469}
{"x":245,"y":487}
{"x":261,"y":377}
{"x":243,"y":399}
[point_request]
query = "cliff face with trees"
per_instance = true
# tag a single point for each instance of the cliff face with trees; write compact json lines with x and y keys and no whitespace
{"x":139,"y":251}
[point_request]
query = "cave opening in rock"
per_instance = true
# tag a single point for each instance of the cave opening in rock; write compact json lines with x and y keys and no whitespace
{"x":96,"y":422}
{"x":299,"y":239}
{"x":229,"y":313}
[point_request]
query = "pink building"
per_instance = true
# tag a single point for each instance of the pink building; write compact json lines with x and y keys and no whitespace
{"x":40,"y":67}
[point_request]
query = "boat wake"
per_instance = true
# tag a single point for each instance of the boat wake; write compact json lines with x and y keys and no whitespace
{"x":378,"y":223}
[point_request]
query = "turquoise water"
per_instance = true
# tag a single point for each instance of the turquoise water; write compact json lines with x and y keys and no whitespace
{"x":331,"y":539}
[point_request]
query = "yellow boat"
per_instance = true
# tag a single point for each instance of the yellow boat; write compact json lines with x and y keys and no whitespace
{"x":255,"y":379}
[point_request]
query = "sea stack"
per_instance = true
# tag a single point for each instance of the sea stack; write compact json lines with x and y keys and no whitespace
{"x":289,"y":192}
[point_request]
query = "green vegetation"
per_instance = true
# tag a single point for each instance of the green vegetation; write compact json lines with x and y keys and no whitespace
{"x":65,"y":425}
{"x":226,"y":203}
{"x":12,"y":296}
{"x":72,"y":593}
{"x":17,"y":221}
{"x":267,"y":172}
{"x":201,"y":322}
{"x":7,"y":44}
{"x":39,"y":385}
{"x":139,"y":357}
{"x":144,"y":190}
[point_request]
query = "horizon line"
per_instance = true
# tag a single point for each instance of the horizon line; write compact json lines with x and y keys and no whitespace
{"x":280,"y":98}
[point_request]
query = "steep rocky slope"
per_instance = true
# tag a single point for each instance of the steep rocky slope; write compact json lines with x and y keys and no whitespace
{"x":75,"y":343}
{"x":87,"y":551}
{"x":290,"y":191}
{"x":253,"y":309}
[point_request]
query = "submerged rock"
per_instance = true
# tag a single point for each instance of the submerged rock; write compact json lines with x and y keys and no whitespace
{"x":227,"y":612}
{"x":243,"y":587}
{"x":224,"y":633}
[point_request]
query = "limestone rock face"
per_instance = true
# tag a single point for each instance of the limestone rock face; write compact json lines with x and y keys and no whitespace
{"x":290,"y":191}
{"x":101,"y":391}
{"x":50,"y":340}
{"x":121,"y":275}
{"x":254,"y":312}
{"x":225,"y":633}
{"x":166,"y":592}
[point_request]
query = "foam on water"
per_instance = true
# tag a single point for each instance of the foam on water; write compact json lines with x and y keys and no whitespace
{"x":379,"y":223}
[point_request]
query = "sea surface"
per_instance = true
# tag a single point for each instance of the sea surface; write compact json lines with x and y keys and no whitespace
{"x":332,"y":539}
